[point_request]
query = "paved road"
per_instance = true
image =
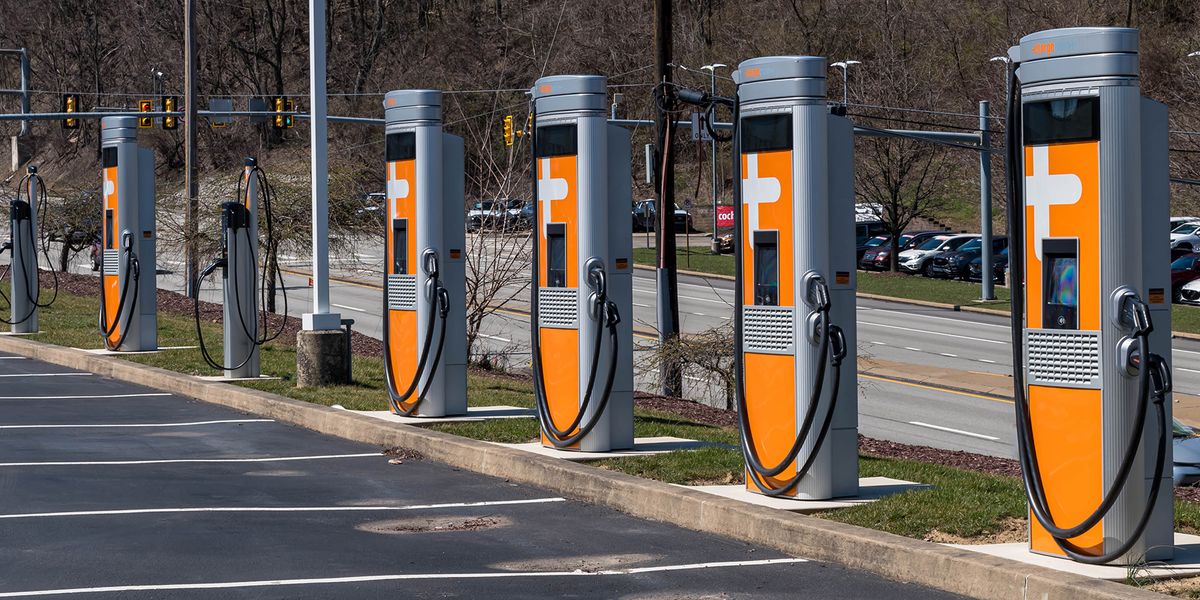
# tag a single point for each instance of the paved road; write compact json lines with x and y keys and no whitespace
{"x":114,"y":490}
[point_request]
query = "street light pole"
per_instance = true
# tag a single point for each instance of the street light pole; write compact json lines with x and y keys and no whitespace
{"x":844,"y":65}
{"x":985,"y":262}
{"x":716,"y":245}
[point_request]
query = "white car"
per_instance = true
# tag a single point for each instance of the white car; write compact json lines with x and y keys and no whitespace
{"x":1177,"y":221}
{"x":1190,"y":293}
{"x":918,"y":260}
{"x":1186,"y":237}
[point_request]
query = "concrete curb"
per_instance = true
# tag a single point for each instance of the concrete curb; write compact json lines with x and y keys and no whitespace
{"x":892,"y":556}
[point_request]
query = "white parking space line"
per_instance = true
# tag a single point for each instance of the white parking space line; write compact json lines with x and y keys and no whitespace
{"x":640,"y":305}
{"x":948,"y":354}
{"x":266,"y":509}
{"x":913,"y":349}
{"x":86,"y":397}
{"x":353,"y":308}
{"x":118,"y":425}
{"x":168,"y":461}
{"x":1184,"y":351}
{"x":46,"y":375}
{"x":986,"y":360}
{"x":1186,"y":370}
{"x":12,"y":358}
{"x":495,"y":337}
{"x":915,"y":314}
{"x":952,"y":335}
{"x":951,"y":430}
{"x":398,"y":577}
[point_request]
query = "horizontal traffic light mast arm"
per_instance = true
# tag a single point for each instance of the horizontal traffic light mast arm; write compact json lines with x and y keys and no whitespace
{"x":203,"y":113}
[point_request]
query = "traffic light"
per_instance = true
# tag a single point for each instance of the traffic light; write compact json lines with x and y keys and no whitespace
{"x":70,"y":104}
{"x":508,"y":130}
{"x":278,"y":101}
{"x":289,"y":120}
{"x":168,"y":105}
{"x":145,"y":106}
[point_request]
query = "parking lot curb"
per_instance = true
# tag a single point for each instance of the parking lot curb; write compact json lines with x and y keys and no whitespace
{"x":891,"y":556}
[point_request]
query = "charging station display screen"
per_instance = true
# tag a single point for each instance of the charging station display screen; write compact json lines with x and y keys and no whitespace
{"x":108,"y":157}
{"x":401,"y":146}
{"x":766,"y":268}
{"x":1062,"y":120}
{"x":109,"y":240}
{"x":767,"y":132}
{"x":400,"y":246}
{"x":1064,"y":283}
{"x":556,"y":255}
{"x":557,"y":140}
{"x":1060,"y":284}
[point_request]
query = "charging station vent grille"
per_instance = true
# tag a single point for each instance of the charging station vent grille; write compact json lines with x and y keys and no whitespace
{"x":558,"y":307}
{"x":768,"y":329}
{"x":112,"y":261}
{"x":402,"y":292}
{"x":1063,"y":358}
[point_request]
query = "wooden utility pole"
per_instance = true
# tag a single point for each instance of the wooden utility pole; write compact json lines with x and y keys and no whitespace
{"x":668,"y":294}
{"x":189,"y":149}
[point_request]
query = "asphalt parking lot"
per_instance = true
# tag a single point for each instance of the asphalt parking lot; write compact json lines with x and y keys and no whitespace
{"x":112,"y":490}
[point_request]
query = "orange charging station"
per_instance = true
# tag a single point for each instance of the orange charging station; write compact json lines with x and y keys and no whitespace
{"x":582,"y":280}
{"x":1092,"y":320}
{"x":795,"y":317}
{"x":128,"y":318}
{"x":424,"y":325}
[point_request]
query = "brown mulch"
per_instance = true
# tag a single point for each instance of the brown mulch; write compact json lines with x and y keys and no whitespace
{"x":979,"y":463}
{"x":692,"y":411}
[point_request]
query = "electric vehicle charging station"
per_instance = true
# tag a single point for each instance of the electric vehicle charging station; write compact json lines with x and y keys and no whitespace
{"x":128,"y":318}
{"x":240,"y":220}
{"x":582,"y":280}
{"x":795,"y":317}
{"x":23,"y":266}
{"x":424,"y":329}
{"x":1092,"y":323}
{"x":243,"y":278}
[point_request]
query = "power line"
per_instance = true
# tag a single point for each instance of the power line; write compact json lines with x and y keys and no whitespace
{"x":911,"y":122}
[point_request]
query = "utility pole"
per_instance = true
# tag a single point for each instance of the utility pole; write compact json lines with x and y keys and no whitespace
{"x":668,"y":293}
{"x":985,"y":203}
{"x":189,"y":145}
{"x":716,"y":244}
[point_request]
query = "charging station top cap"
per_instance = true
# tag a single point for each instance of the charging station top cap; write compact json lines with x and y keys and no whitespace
{"x":777,"y":77}
{"x":407,"y":106}
{"x":118,"y":129}
{"x":1078,"y":53}
{"x":570,"y":93}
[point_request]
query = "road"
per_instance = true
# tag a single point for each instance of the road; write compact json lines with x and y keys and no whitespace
{"x":116,"y":491}
{"x":902,"y":333}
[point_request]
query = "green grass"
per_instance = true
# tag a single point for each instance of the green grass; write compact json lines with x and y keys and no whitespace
{"x":915,"y":287}
{"x":960,"y":503}
{"x":700,"y":259}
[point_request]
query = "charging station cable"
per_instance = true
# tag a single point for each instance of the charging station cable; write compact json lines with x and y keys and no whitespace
{"x":132,"y":272}
{"x":441,"y":297}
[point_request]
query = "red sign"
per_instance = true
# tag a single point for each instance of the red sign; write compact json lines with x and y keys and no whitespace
{"x":724,"y":216}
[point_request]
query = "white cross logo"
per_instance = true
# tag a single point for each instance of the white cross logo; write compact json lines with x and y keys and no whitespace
{"x":397,"y":189}
{"x":756,"y":190}
{"x":1043,"y":190}
{"x":549,"y":189}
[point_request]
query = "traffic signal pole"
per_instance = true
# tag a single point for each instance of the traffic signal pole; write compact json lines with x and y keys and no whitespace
{"x":189,"y":146}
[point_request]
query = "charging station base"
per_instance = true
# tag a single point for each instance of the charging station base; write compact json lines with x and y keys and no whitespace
{"x":474,"y":414}
{"x":1186,"y":561}
{"x":870,"y":489}
{"x":641,"y":447}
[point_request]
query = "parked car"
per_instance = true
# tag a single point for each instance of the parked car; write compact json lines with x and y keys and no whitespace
{"x":875,"y":242}
{"x":1186,"y":447}
{"x":1190,"y":293}
{"x":867,"y":226}
{"x":1184,"y":269}
{"x":1185,"y":238}
{"x":917,"y":260}
{"x":879,"y":257}
{"x":1177,"y":221}
{"x":957,"y":264}
{"x":490,"y":214}
{"x":999,"y":266}
{"x":645,"y":216}
{"x":521,"y":217}
{"x":725,"y":243}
